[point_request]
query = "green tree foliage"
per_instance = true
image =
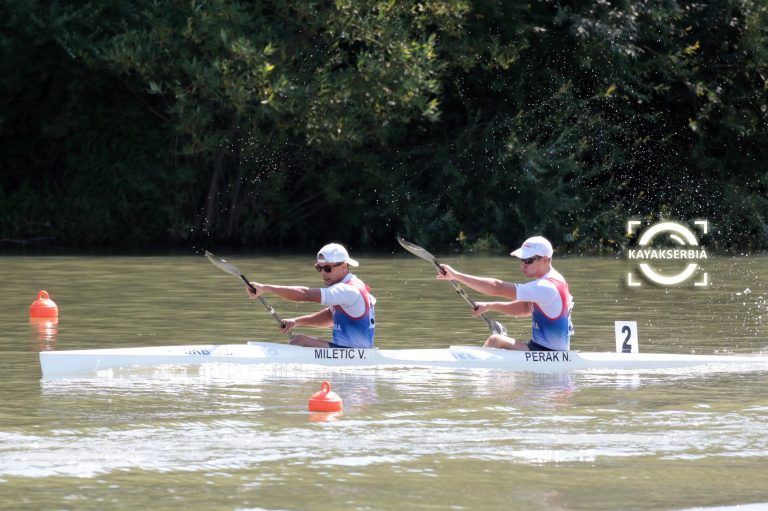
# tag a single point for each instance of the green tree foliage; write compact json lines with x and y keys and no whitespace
{"x":456,"y":123}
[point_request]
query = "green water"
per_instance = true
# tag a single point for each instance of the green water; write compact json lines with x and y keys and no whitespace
{"x":240,"y":438}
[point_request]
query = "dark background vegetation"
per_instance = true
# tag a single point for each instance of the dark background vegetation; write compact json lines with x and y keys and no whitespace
{"x":458,"y":124}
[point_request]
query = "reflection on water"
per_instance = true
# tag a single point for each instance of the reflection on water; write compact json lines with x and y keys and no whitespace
{"x":44,"y":332}
{"x":325,"y":416}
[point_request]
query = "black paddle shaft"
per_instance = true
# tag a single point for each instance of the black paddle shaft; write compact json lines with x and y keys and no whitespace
{"x":422,"y":253}
{"x":269,"y":308}
{"x":230,"y":268}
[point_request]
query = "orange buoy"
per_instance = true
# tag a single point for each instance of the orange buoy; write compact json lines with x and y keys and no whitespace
{"x":325,"y":400}
{"x":43,"y":307}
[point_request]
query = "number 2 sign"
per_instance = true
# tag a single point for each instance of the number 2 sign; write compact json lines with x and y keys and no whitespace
{"x":626,"y":337}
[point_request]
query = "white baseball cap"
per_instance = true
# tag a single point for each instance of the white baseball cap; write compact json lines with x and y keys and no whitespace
{"x":335,"y":253}
{"x":535,"y":246}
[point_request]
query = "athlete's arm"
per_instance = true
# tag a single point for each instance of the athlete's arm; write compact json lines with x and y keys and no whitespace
{"x":292,"y":293}
{"x":322,"y":318}
{"x":485,"y":285}
{"x":519,"y":309}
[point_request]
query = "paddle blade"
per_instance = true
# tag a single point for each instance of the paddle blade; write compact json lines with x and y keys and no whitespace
{"x":223,"y":265}
{"x":416,"y":250}
{"x":497,"y":328}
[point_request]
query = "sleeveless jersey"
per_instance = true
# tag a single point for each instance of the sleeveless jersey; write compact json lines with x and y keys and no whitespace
{"x":554,"y":333}
{"x":355,"y":332}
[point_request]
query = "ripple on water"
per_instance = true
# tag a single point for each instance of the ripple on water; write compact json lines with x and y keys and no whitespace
{"x":215,"y":421}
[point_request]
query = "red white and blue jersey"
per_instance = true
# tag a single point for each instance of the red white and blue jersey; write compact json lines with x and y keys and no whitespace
{"x":551,"y":311}
{"x":352,"y":308}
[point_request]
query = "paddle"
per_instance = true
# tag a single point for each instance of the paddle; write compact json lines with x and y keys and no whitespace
{"x":233,"y":270}
{"x":493,"y":325}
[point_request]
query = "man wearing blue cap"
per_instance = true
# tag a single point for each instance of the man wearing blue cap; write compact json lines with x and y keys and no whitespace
{"x":546,"y":299}
{"x":350,"y":305}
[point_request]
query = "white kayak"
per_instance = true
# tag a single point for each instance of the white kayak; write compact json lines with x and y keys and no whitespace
{"x":57,"y":364}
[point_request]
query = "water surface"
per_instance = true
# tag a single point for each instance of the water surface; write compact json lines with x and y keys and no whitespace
{"x":220,"y":437}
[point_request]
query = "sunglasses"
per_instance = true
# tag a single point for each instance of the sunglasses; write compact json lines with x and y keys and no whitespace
{"x":530,"y":260}
{"x":326,"y":268}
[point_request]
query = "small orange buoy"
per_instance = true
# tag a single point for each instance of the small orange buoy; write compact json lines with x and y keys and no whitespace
{"x":325,"y":400}
{"x":43,"y":307}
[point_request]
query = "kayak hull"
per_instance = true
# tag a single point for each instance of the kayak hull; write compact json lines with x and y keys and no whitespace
{"x":57,"y":364}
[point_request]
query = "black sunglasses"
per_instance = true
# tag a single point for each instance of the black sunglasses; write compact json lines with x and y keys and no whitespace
{"x":530,"y":260}
{"x":326,"y":268}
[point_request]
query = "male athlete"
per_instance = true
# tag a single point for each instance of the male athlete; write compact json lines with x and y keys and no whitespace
{"x":350,"y":305}
{"x":546,"y":299}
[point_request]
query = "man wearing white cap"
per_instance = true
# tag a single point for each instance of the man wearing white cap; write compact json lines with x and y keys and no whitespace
{"x":350,"y":305}
{"x":546,"y":299}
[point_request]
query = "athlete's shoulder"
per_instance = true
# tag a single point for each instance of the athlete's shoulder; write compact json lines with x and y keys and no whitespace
{"x":553,"y":274}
